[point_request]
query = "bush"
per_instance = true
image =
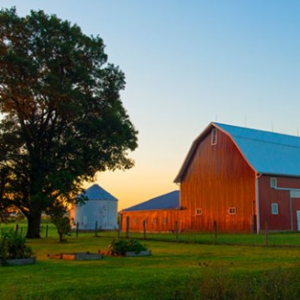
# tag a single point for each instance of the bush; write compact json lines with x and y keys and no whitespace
{"x":120,"y":247}
{"x":13,"y":246}
{"x":57,"y":214}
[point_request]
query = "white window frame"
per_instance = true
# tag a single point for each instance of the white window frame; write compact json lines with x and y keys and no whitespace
{"x":198,"y":211}
{"x":165,"y":221}
{"x":274,"y":209}
{"x":214,"y":136}
{"x":273,"y":182}
{"x":135,"y":221}
{"x":232,"y":210}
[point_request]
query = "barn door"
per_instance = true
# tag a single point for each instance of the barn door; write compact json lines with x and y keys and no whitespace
{"x":298,"y":220}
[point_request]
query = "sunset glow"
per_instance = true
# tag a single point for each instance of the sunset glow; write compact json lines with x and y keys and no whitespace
{"x":188,"y":63}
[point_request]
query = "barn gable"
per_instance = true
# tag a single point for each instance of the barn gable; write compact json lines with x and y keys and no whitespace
{"x":266,"y":152}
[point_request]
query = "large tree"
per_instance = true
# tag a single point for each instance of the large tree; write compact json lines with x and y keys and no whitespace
{"x":62,"y":119}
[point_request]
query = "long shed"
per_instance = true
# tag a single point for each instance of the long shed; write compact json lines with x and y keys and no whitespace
{"x":101,"y":207}
{"x":242,"y":178}
{"x":159,"y":213}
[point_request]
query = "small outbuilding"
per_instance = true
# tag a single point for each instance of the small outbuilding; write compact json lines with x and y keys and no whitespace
{"x":159,"y":214}
{"x":101,"y":207}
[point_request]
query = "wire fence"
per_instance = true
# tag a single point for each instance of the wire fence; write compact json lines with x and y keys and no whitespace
{"x":214,"y":237}
{"x":266,"y":238}
{"x":21,"y":229}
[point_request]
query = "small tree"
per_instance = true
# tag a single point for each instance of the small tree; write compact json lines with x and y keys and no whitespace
{"x":62,"y":223}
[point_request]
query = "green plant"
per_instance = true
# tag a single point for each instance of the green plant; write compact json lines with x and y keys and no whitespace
{"x":120,"y":247}
{"x":58,"y":217}
{"x":13,"y":246}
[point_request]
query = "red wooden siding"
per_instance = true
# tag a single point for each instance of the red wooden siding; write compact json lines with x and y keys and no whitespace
{"x":268,"y":195}
{"x":164,"y":220}
{"x":218,"y":178}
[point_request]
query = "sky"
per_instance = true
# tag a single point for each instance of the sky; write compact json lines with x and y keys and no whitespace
{"x":188,"y":63}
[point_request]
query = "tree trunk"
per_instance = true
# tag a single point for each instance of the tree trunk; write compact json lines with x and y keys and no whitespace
{"x":34,"y":223}
{"x":61,"y":237}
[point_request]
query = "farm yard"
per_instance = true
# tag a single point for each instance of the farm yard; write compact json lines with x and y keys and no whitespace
{"x":174,"y":271}
{"x":230,"y":230}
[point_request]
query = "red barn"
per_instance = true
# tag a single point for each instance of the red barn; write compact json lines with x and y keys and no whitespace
{"x":159,"y":213}
{"x":243,"y":179}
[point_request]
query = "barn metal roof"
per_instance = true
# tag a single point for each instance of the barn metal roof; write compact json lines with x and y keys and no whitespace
{"x":166,"y":201}
{"x":95,"y":192}
{"x":266,"y":152}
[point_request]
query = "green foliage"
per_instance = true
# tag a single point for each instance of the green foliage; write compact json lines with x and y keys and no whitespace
{"x":4,"y":216}
{"x":62,"y":117}
{"x":13,"y":246}
{"x":62,"y":224}
{"x":4,"y":207}
{"x":60,"y":220}
{"x":120,"y":247}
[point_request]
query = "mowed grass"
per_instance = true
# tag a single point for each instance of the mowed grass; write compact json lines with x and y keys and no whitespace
{"x":174,"y":271}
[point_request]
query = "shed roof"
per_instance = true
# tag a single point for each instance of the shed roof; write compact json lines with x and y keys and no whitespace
{"x":266,"y":152}
{"x":95,"y":192}
{"x":166,"y":201}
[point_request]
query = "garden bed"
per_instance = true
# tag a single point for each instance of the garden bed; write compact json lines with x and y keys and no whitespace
{"x":18,"y":262}
{"x":142,"y":253}
{"x":128,"y":253}
{"x":77,"y":256}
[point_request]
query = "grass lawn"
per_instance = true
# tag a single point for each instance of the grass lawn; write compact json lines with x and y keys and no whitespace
{"x":174,"y":271}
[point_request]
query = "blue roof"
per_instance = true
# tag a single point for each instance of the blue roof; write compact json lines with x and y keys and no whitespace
{"x":95,"y":192}
{"x":266,"y":152}
{"x":166,"y":201}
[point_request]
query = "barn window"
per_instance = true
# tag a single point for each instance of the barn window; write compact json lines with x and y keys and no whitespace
{"x":154,"y":220}
{"x":135,"y":221}
{"x":232,"y":210}
{"x":273,"y":182}
{"x":165,"y":221}
{"x":274,"y":208}
{"x":214,"y":137}
{"x":198,"y":211}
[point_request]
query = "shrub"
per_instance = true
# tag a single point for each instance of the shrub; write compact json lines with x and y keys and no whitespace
{"x":120,"y":247}
{"x":58,"y":217}
{"x":13,"y":246}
